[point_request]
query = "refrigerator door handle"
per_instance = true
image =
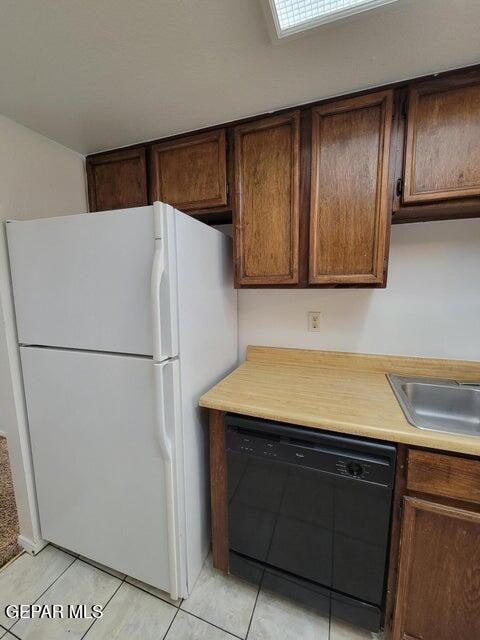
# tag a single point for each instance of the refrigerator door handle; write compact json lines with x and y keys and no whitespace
{"x":163,"y":292}
{"x":158,"y":271}
{"x":161,"y":419}
{"x":166,"y":451}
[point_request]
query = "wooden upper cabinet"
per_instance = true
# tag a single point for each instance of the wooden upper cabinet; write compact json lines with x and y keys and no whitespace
{"x":190,"y":173}
{"x":442,"y":147}
{"x":438,"y":596}
{"x":117,"y":180}
{"x":267,"y":200}
{"x":350,"y":207}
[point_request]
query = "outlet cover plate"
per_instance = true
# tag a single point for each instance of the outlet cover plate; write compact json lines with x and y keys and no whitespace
{"x":314,"y":320}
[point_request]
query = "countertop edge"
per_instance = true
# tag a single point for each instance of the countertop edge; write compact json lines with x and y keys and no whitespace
{"x":405,"y":434}
{"x":349,"y":428}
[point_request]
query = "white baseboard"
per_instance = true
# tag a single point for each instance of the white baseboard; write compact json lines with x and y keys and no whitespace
{"x":31,"y":547}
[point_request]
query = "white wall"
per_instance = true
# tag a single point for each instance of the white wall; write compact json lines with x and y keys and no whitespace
{"x":431,"y":306}
{"x":37,"y":178}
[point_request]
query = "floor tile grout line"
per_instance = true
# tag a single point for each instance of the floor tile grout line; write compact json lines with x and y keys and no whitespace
{"x":212,"y":624}
{"x":24,"y":552}
{"x":109,"y":573}
{"x":106,"y":604}
{"x":254,"y":607}
{"x":260,"y":585}
{"x":55,"y":546}
{"x":8,"y":632}
{"x":95,"y":566}
{"x":171,"y":622}
{"x":154,"y":595}
{"x":124,"y":579}
{"x":329,"y":617}
{"x":13,"y":560}
{"x":49,"y":586}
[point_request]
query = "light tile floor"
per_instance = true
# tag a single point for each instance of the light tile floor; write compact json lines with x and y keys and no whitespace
{"x":220,"y":607}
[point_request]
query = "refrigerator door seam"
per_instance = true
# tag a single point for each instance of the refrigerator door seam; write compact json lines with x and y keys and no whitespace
{"x":120,"y":354}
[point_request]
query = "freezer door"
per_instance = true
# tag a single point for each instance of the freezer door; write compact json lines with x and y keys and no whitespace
{"x":85,"y":281}
{"x":103,"y":478}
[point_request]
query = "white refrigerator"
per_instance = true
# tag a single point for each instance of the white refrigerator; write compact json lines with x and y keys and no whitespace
{"x":124,"y":319}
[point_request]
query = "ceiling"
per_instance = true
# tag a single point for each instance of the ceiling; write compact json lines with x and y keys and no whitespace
{"x":98,"y":74}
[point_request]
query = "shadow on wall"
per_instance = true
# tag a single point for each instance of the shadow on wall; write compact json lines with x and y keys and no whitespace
{"x":430,"y":307}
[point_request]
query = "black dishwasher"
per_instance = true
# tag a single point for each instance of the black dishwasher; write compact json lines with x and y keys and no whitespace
{"x":309,"y":515}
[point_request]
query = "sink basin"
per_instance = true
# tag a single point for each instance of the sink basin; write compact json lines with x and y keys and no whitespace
{"x":438,"y":405}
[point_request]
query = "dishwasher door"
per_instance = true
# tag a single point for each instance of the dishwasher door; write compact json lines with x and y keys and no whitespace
{"x":313,"y":505}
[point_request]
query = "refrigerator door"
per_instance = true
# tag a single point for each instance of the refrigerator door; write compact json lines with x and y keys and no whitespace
{"x":86,"y":281}
{"x":104,"y":457}
{"x":208,"y":347}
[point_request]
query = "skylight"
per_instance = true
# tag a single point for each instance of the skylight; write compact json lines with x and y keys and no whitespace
{"x":291,"y":16}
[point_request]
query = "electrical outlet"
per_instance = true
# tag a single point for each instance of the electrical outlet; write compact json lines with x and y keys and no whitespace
{"x":314,"y":320}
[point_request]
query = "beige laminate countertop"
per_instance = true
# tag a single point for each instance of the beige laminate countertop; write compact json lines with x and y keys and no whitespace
{"x":342,"y":392}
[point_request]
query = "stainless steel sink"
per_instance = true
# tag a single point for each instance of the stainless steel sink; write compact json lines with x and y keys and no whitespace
{"x":439,"y":405}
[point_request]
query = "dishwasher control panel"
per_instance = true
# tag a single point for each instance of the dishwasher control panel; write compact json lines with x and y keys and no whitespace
{"x":321,"y":453}
{"x":354,"y":468}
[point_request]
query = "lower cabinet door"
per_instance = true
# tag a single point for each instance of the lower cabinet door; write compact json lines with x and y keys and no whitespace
{"x":438,"y":594}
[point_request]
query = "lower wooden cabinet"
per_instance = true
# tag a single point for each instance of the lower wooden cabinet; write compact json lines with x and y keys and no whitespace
{"x":438,"y":595}
{"x":444,"y":475}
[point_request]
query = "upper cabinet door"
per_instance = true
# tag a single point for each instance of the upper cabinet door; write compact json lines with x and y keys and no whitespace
{"x":190,"y":173}
{"x":350,"y":206}
{"x":442,"y":150}
{"x":267,"y":200}
{"x":117,"y":180}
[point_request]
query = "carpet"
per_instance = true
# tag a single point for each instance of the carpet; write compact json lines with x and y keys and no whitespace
{"x":8,"y":509}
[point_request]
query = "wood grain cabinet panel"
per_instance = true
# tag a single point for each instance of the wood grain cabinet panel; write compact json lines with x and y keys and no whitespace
{"x":218,"y":490}
{"x":267,"y":200}
{"x":442,"y":149}
{"x":117,"y":180}
{"x":444,"y":475}
{"x":350,"y":207}
{"x":190,"y":173}
{"x":438,"y":595}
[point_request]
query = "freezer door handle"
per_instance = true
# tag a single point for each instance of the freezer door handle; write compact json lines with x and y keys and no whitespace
{"x":158,"y":272}
{"x":166,"y":391}
{"x":163,"y":292}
